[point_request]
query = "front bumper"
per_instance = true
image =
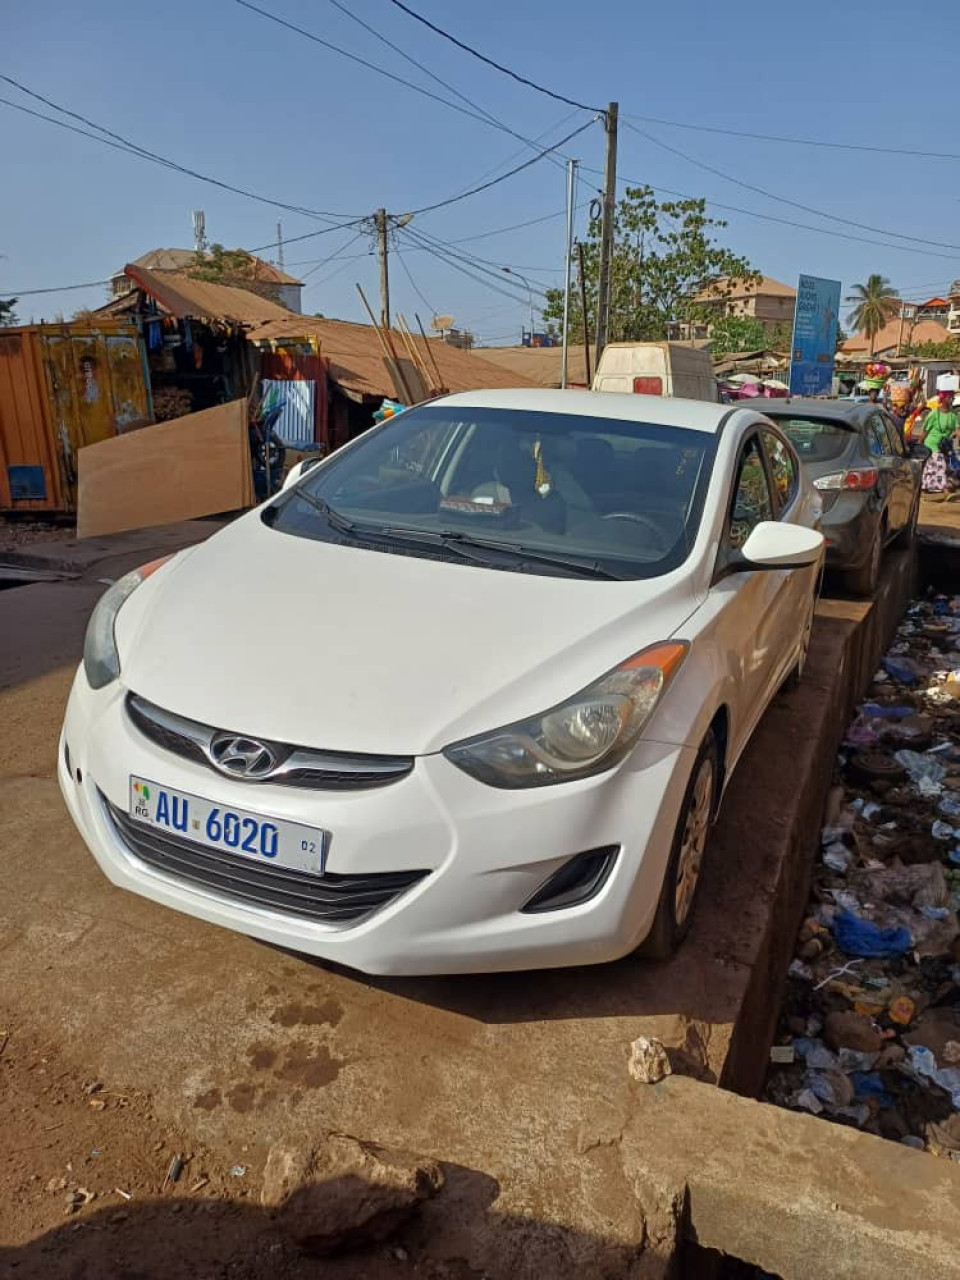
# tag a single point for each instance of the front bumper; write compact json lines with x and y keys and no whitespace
{"x":486,"y":851}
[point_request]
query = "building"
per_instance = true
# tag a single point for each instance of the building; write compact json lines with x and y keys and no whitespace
{"x":766,"y":300}
{"x":252,"y":274}
{"x":896,"y":337}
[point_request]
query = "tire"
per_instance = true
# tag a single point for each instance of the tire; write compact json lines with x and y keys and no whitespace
{"x":865,"y":580}
{"x":681,"y":881}
{"x":795,"y":677}
{"x":907,"y":536}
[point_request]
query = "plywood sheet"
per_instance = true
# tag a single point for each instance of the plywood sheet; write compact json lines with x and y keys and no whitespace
{"x":193,"y":466}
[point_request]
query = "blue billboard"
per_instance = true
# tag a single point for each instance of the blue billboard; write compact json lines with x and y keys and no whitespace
{"x":814,"y":336}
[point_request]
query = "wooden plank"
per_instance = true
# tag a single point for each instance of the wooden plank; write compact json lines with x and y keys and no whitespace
{"x":193,"y":466}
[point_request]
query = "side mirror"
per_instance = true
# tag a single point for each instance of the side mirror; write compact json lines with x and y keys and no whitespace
{"x":772,"y":545}
{"x":920,"y":451}
{"x":298,"y":470}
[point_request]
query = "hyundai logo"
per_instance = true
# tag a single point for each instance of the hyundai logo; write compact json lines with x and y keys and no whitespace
{"x":242,"y":757}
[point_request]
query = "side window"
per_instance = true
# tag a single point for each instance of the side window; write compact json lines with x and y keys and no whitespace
{"x":893,"y":435}
{"x":877,"y":436}
{"x":783,"y":467}
{"x":752,"y":501}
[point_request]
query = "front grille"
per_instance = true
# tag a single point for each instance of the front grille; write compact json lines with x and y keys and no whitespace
{"x":297,"y":767}
{"x":329,"y":899}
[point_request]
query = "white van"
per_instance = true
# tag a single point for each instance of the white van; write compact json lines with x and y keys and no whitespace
{"x":657,"y":369}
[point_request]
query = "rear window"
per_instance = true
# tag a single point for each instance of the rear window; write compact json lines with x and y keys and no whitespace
{"x":814,"y":439}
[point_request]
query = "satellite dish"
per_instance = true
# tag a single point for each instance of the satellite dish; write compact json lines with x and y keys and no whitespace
{"x":440,"y":323}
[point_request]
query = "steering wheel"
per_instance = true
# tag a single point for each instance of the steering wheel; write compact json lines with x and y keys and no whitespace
{"x":654,"y":528}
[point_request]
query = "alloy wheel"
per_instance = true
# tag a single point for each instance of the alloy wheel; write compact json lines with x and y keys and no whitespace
{"x":695,"y":831}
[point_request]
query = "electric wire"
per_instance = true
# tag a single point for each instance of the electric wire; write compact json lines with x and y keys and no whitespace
{"x":121,"y":143}
{"x":498,"y":66}
{"x":795,"y":204}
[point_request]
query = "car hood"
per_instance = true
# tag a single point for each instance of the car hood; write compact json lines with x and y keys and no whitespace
{"x":348,"y":649}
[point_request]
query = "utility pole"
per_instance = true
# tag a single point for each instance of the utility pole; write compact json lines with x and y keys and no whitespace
{"x":606,"y":229}
{"x":380,"y":220}
{"x":585,"y":315}
{"x":280,"y":245}
{"x":567,"y":264}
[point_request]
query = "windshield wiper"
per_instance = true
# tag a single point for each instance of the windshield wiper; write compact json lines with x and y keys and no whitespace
{"x":459,"y":540}
{"x":332,"y":517}
{"x":456,"y":540}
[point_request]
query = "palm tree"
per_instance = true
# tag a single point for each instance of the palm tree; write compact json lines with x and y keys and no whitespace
{"x":875,"y":304}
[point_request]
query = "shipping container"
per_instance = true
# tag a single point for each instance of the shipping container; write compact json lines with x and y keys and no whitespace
{"x":63,"y":386}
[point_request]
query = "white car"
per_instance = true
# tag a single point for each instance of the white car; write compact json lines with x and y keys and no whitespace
{"x":465,"y":695}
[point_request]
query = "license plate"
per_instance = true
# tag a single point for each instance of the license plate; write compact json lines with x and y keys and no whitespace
{"x":271,"y":841}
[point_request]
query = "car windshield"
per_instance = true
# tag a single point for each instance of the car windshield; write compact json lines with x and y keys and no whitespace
{"x":816,"y":440}
{"x":537,"y":492}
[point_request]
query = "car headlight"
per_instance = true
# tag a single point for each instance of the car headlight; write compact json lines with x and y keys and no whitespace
{"x":588,"y":734}
{"x":101,"y":661}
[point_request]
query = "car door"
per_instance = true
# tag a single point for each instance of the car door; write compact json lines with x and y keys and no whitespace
{"x":795,"y":504}
{"x":889,"y":478}
{"x":906,"y":472}
{"x":750,"y":603}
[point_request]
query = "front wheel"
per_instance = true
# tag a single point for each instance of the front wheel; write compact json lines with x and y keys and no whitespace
{"x":682,"y":879}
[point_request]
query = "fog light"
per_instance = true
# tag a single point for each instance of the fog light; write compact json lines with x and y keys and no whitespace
{"x":578,"y":880}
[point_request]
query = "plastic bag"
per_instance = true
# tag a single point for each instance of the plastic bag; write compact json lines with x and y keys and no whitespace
{"x":923,"y":1063}
{"x":857,"y":937}
{"x":925,"y":772}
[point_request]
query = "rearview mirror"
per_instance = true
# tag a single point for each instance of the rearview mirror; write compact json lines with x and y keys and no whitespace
{"x":772,"y":545}
{"x":920,"y":451}
{"x":298,"y":470}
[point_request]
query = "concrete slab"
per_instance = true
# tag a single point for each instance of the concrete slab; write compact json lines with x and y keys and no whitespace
{"x":515,"y":1079}
{"x":791,"y":1194}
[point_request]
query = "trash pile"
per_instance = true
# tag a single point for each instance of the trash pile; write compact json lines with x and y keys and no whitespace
{"x":869,"y":1033}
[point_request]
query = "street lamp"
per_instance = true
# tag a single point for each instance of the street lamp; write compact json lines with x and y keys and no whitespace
{"x":511,"y":272}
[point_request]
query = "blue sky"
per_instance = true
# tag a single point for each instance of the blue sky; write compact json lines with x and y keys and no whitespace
{"x":225,"y":91}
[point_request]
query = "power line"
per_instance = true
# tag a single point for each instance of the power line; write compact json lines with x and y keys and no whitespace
{"x":770,"y":217}
{"x":445,"y":256}
{"x":372,"y":66}
{"x":63,"y":288}
{"x":413,"y":284}
{"x":799,"y":142}
{"x":485,"y":186}
{"x":497,"y":66}
{"x":121,"y":143}
{"x":491,"y":269}
{"x":475,"y":271}
{"x":795,"y":204}
{"x":336,"y":254}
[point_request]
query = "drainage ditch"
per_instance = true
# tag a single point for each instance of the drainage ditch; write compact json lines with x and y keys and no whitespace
{"x":869,"y":1029}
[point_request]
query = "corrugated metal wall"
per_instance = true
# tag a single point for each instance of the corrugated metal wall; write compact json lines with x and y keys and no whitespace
{"x":62,"y":387}
{"x":295,"y":424}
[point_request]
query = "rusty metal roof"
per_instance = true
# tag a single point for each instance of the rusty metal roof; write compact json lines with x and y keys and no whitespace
{"x":356,"y":357}
{"x":542,"y":365}
{"x":186,"y":259}
{"x":183,"y":296}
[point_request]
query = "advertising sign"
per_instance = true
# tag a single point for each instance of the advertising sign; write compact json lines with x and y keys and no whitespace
{"x":814,"y":336}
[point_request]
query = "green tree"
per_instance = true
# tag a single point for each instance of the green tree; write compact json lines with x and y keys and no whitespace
{"x":8,"y":315}
{"x":730,"y":334}
{"x":221,"y":266}
{"x":781,"y":339}
{"x":663,"y":254}
{"x":874,"y":305}
{"x":949,"y":350}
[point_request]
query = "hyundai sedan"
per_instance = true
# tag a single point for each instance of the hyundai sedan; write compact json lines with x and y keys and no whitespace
{"x":464,"y":696}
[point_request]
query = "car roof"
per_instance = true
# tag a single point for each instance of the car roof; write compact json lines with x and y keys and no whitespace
{"x":667,"y":411}
{"x":851,"y":413}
